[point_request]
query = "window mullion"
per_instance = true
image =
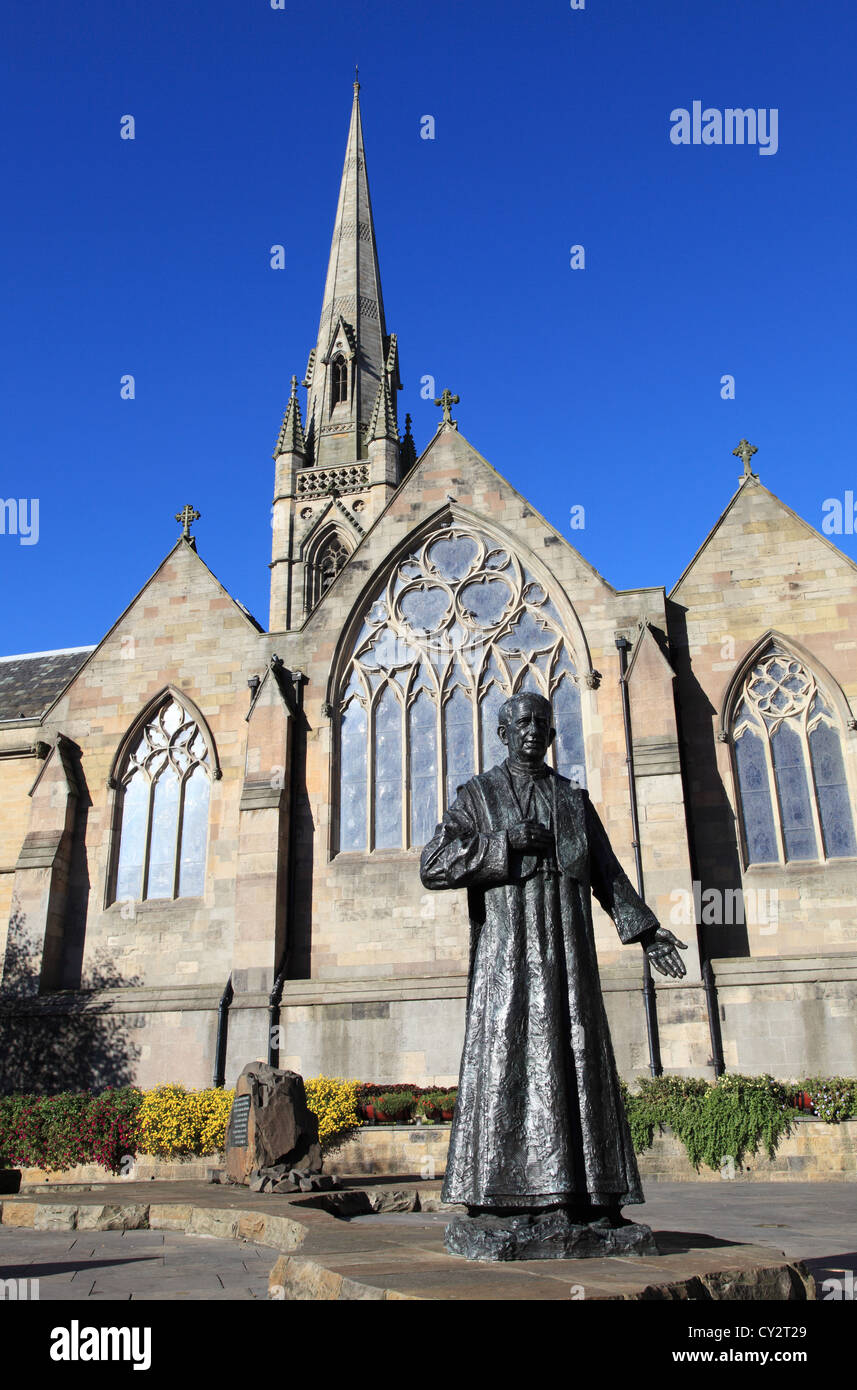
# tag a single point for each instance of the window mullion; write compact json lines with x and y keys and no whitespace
{"x":442,"y":752}
{"x":148,"y":840}
{"x":178,"y":839}
{"x":775,"y":795}
{"x":370,"y":772}
{"x":476,"y":721}
{"x":812,"y":789}
{"x":406,"y":773}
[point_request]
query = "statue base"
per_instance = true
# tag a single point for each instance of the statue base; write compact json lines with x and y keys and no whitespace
{"x":552,"y":1235}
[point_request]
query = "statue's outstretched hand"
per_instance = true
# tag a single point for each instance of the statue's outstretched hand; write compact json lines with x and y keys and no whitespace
{"x":664,"y":956}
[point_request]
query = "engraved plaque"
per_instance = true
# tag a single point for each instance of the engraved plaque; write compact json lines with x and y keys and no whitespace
{"x":239,"y":1122}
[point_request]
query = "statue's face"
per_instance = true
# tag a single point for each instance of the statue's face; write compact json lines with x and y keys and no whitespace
{"x":528,"y":733}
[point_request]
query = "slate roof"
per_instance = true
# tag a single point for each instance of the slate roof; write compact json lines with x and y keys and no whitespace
{"x":31,"y":682}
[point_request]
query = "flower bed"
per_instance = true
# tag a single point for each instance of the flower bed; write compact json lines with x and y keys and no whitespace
{"x":381,"y":1103}
{"x":56,"y":1133}
{"x":734,"y":1117}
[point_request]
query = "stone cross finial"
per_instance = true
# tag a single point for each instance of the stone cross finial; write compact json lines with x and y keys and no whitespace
{"x":447,"y":400}
{"x":745,"y":452}
{"x":186,"y":516}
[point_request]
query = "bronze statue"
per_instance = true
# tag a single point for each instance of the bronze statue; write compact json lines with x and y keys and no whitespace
{"x":540,"y":1150}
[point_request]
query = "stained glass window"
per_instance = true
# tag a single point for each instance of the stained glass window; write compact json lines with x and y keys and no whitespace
{"x":165,"y":785}
{"x":794,"y":797}
{"x":458,"y":627}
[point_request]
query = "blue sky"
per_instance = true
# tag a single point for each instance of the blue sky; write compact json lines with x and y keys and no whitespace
{"x":598,"y":387}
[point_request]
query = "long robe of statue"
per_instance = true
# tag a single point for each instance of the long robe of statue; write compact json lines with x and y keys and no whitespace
{"x":539,"y":1118}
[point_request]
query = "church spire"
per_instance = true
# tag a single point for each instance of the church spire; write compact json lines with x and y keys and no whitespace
{"x":335,"y":475}
{"x":354,"y":358}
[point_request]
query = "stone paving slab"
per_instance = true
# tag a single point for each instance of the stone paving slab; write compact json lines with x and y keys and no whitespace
{"x":401,"y":1255}
{"x":134,"y":1265}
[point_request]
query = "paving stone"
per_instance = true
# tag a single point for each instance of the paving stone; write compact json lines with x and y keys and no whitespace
{"x":399,"y":1255}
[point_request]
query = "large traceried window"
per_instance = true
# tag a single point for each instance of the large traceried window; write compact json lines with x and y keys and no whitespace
{"x":795,"y":803}
{"x":459,"y":626}
{"x":165,"y":786}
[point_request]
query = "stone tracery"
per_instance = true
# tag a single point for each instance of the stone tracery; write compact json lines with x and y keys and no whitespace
{"x":458,"y":626}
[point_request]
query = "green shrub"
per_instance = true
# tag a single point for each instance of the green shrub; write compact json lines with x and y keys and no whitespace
{"x":728,"y":1119}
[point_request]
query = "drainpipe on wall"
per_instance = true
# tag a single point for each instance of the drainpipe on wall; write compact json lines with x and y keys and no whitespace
{"x":276,"y":995}
{"x":649,"y":999}
{"x":219,"y":1078}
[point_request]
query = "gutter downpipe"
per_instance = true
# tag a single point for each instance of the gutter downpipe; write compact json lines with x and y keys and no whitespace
{"x":219,"y":1078}
{"x":648,"y":988}
{"x":276,"y":994}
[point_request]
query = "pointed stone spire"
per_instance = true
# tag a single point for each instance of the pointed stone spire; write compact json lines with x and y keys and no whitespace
{"x":353,"y":355}
{"x":291,"y":437}
{"x":346,"y":465}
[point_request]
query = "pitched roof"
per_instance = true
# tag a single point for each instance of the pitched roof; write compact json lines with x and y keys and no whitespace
{"x":32,"y":681}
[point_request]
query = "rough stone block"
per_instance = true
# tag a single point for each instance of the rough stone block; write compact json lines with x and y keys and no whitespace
{"x":133,"y":1216}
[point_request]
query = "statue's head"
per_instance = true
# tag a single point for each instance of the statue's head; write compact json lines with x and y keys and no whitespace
{"x":525,"y":726}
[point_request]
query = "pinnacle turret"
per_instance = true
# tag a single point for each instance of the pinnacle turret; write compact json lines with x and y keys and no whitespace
{"x":382,"y":421}
{"x":407,"y":448}
{"x":291,"y":437}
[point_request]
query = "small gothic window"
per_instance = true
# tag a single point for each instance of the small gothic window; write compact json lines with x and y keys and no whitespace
{"x":165,"y":784}
{"x":338,"y":380}
{"x":331,"y":558}
{"x":458,"y":626}
{"x":790,"y":770}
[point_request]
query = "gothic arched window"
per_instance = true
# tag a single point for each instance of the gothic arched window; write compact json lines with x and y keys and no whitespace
{"x":459,"y":626}
{"x":331,"y":558}
{"x":324,"y":561}
{"x":165,"y":785}
{"x":790,"y":771}
{"x":338,"y":380}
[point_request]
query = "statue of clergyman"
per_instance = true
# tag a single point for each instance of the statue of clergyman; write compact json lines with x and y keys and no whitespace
{"x":540,"y":1150}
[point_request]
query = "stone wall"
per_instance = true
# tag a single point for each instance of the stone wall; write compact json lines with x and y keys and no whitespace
{"x":763,"y":569}
{"x":813,"y":1152}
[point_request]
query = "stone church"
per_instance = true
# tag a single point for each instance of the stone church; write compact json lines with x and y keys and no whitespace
{"x":210,"y":829}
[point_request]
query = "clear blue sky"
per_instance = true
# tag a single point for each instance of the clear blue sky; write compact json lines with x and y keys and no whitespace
{"x":598,"y":387}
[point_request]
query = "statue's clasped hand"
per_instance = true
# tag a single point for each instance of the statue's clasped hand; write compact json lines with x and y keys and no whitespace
{"x":663,"y":952}
{"x":531,"y":838}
